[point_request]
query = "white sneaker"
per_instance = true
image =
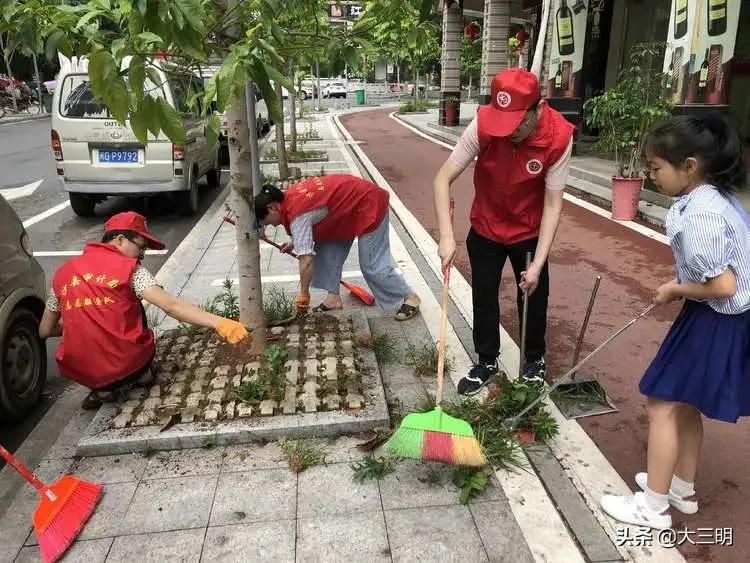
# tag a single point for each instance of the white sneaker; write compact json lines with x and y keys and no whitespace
{"x":633,"y":510}
{"x":686,"y":505}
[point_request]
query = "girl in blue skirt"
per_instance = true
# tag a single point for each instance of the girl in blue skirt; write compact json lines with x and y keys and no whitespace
{"x":703,"y":365}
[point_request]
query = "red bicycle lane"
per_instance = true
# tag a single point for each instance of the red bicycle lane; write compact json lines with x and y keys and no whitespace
{"x":632,"y":266}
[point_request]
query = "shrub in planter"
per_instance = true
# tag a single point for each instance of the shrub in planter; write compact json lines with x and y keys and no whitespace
{"x":623,"y":115}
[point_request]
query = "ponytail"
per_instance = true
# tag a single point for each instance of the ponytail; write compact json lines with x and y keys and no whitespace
{"x":268,"y":194}
{"x":711,"y":139}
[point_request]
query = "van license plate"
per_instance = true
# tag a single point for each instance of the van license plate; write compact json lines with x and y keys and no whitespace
{"x":118,"y":156}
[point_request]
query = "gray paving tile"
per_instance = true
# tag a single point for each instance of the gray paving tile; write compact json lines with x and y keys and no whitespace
{"x":107,"y":519}
{"x":260,"y":541}
{"x":247,"y":457}
{"x":255,"y":496}
{"x":414,"y":484}
{"x":183,"y":546}
{"x":170,"y":504}
{"x":111,"y":468}
{"x":184,"y":463}
{"x":91,"y":551}
{"x":332,"y":490}
{"x":501,"y":536}
{"x":344,"y":448}
{"x":344,"y":538}
{"x":446,"y":533}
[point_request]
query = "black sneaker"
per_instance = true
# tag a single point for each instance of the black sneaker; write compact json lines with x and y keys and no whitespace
{"x":534,"y":371}
{"x":478,"y":377}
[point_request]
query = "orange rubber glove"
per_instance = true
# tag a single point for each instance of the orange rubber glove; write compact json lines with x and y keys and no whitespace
{"x":232,"y":331}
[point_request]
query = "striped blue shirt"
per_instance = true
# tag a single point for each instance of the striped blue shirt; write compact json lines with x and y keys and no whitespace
{"x":710,"y":233}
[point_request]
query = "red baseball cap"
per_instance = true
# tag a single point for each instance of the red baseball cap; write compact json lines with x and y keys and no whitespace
{"x":132,"y":221}
{"x":514,"y":91}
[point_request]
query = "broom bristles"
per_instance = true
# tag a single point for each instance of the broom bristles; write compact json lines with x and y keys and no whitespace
{"x":438,"y":446}
{"x":69,"y":521}
{"x":406,"y":442}
{"x":467,"y":451}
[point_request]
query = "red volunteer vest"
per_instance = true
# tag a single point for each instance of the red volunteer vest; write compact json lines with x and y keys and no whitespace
{"x":509,"y":180}
{"x":355,"y":206}
{"x":105,"y":337}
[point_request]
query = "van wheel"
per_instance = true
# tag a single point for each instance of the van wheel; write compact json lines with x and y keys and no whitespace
{"x":23,"y":365}
{"x":82,"y":205}
{"x":213,"y":178}
{"x":187,"y":201}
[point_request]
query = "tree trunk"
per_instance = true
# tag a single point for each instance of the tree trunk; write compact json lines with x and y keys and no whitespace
{"x":12,"y":88}
{"x":38,"y":83}
{"x":280,"y":140}
{"x":536,"y":65}
{"x":398,"y":73}
{"x":416,"y":87}
{"x":292,"y":113}
{"x":468,"y":96}
{"x":248,"y":247}
{"x":317,"y":78}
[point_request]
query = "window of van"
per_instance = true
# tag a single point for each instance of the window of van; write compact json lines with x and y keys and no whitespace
{"x":77,"y":98}
{"x":183,"y":89}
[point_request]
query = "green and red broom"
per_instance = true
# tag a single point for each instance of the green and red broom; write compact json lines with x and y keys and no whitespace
{"x":62,"y":511}
{"x":434,"y":435}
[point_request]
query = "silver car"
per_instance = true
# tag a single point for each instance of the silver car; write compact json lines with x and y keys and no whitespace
{"x":23,"y":355}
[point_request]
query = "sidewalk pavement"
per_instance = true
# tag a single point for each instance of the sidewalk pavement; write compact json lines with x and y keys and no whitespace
{"x":241,"y":503}
{"x":22,"y":117}
{"x":590,"y":176}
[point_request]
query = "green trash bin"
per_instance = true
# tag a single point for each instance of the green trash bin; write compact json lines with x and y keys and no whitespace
{"x":360,"y":97}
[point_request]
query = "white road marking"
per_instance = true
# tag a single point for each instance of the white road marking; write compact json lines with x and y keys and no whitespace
{"x":49,"y":213}
{"x":22,"y":191}
{"x":284,"y":278}
{"x":632,"y":225}
{"x":51,"y":253}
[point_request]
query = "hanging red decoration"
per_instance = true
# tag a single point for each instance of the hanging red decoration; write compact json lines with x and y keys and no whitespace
{"x":471,"y":31}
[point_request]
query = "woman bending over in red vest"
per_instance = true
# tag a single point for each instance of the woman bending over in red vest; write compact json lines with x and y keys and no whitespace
{"x":95,"y":305}
{"x":323,"y":216}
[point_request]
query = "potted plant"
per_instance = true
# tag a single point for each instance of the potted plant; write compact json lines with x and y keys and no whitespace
{"x":623,"y":115}
{"x":451,"y":110}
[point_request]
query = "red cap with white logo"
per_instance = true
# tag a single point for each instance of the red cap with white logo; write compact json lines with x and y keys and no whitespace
{"x":514,"y":92}
{"x":132,"y":221}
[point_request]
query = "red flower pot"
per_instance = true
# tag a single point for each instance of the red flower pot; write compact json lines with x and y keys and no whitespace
{"x":626,"y":193}
{"x":451,"y":111}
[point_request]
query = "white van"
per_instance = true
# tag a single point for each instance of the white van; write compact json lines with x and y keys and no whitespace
{"x":97,"y":157}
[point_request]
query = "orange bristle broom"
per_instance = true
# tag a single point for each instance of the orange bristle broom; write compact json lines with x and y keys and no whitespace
{"x":435,"y":436}
{"x":62,"y":511}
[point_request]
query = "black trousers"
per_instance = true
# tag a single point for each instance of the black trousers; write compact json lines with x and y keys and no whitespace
{"x":487,"y":259}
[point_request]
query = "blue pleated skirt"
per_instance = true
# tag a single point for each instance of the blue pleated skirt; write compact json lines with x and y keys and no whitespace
{"x":704,"y":361}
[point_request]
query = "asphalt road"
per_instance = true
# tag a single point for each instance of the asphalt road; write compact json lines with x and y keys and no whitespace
{"x":26,"y":157}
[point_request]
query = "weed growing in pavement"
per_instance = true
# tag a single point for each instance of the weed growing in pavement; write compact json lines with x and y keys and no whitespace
{"x":396,"y":409}
{"x":426,"y":403}
{"x":295,"y":156}
{"x":424,"y":359}
{"x":472,"y":483}
{"x":384,"y":348}
{"x":209,"y":305}
{"x":411,"y":106}
{"x":278,"y":305}
{"x":301,"y":454}
{"x":273,"y":371}
{"x":372,"y":468}
{"x":252,"y":392}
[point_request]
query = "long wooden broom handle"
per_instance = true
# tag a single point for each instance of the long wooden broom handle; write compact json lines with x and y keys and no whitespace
{"x":443,"y":324}
{"x":25,"y":473}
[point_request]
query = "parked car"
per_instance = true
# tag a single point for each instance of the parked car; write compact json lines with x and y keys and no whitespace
{"x":97,"y":157}
{"x":335,"y":90}
{"x":308,"y":90}
{"x":23,"y":355}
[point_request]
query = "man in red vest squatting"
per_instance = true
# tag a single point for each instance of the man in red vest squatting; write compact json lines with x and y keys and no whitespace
{"x":323,"y":216}
{"x":523,"y":148}
{"x":95,"y":305}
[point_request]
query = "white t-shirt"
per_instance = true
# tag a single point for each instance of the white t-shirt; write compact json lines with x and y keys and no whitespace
{"x":467,"y":150}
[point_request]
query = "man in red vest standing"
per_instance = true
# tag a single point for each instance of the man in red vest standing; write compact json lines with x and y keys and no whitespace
{"x":323,"y":216}
{"x":523,"y":150}
{"x":95,"y":305}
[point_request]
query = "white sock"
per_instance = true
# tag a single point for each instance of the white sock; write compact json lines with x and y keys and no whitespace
{"x":655,"y":501}
{"x":682,"y":488}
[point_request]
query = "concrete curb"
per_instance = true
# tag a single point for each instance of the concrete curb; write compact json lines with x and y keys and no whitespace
{"x":23,"y":118}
